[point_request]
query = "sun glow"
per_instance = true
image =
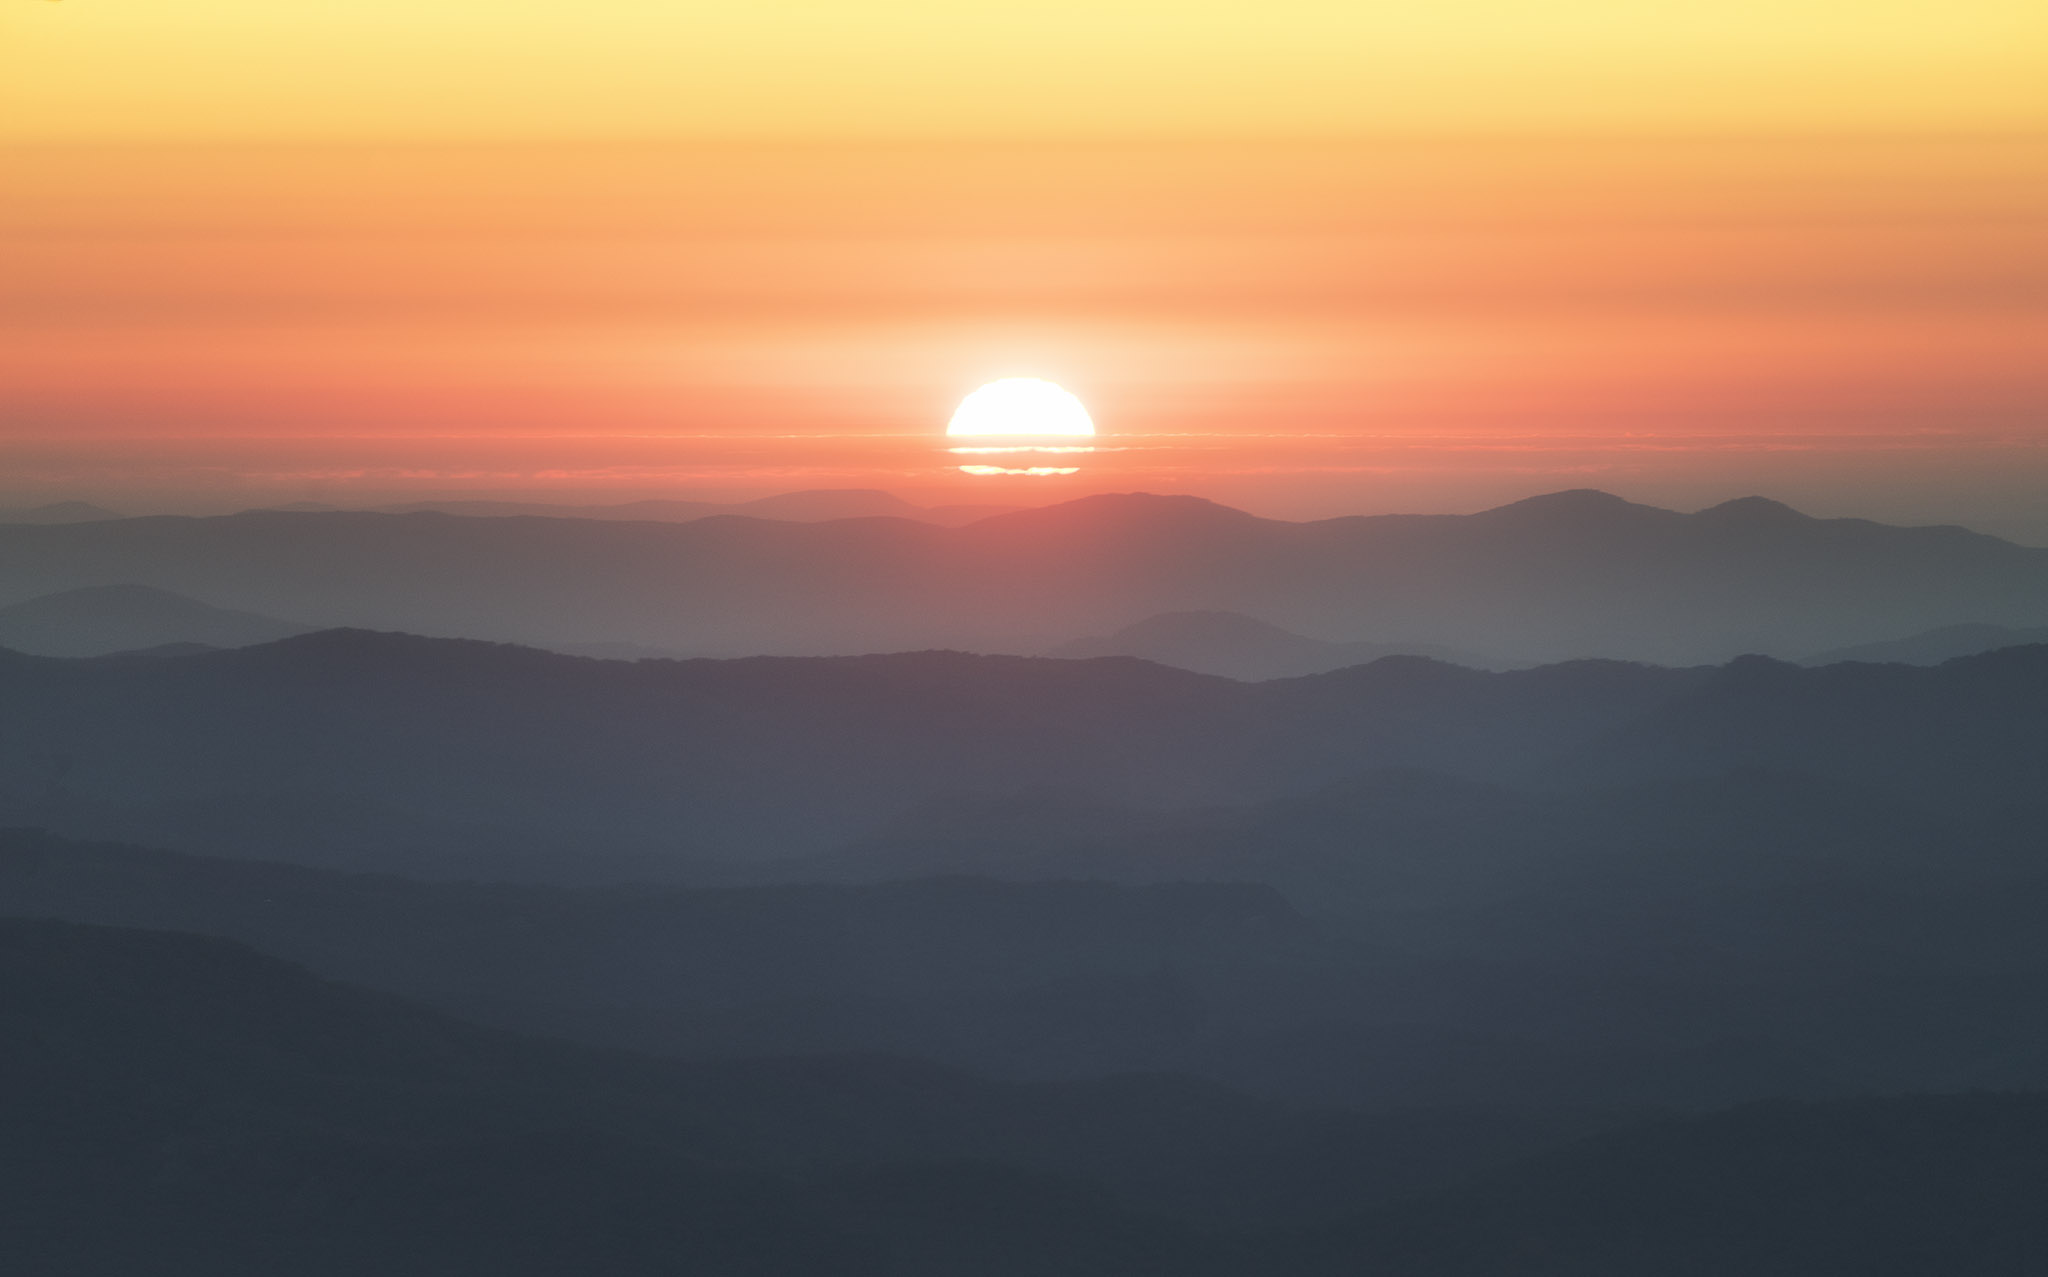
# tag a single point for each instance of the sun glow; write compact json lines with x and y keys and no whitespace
{"x":1020,"y":420}
{"x":1020,"y":407}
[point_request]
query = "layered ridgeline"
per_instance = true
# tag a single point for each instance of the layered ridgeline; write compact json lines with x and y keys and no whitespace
{"x":1635,"y":972}
{"x":181,"y":1107}
{"x":445,"y":756}
{"x":59,"y":512}
{"x":813,"y":506}
{"x":107,"y":619}
{"x":1237,"y":646}
{"x":1404,"y":883}
{"x":184,"y":1108}
{"x":1574,"y":574}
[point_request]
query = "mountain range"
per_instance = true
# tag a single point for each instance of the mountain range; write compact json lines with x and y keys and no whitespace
{"x":1569,"y":575}
{"x":106,"y":619}
{"x":1651,"y":949}
{"x":1241,"y":647}
{"x":1418,"y":884}
{"x":1932,"y":647}
{"x":60,"y":512}
{"x":449,"y":756}
{"x":812,"y":506}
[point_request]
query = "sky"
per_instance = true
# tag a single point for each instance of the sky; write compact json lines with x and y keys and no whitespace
{"x":1306,"y":258}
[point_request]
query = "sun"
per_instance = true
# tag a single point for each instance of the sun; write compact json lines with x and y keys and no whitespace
{"x":1020,"y":407}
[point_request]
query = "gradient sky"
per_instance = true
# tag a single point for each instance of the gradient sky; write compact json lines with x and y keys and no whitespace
{"x":1307,"y":258}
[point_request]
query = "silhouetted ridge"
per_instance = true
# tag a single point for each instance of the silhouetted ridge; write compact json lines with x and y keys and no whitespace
{"x":2026,"y":661}
{"x":1933,"y":647}
{"x":1569,"y":574}
{"x":1234,"y":645}
{"x":817,"y":505}
{"x":1752,"y":670}
{"x":99,"y":620}
{"x":1125,"y":511}
{"x":1401,"y":669}
{"x":1576,"y":507}
{"x":1753,"y":512}
{"x":61,"y":512}
{"x":346,"y":648}
{"x":425,"y":753}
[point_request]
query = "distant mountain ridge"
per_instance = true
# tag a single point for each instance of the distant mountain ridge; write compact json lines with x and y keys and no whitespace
{"x":1935,"y":646}
{"x":811,"y":506}
{"x":61,"y":512}
{"x":1236,"y":646}
{"x":101,"y":620}
{"x":1568,"y":575}
{"x":395,"y":751}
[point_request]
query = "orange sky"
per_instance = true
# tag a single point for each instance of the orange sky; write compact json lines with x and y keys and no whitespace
{"x":1305,"y":257}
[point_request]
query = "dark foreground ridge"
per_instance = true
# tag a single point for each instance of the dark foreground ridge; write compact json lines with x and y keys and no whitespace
{"x":179,"y":1107}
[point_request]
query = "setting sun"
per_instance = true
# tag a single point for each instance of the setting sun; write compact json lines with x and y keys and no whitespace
{"x":1026,"y":419}
{"x":1025,"y":407}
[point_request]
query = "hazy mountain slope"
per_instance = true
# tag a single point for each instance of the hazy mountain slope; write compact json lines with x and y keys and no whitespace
{"x":1680,"y":945}
{"x":1235,"y":646}
{"x":1956,"y":734}
{"x":1046,"y":979}
{"x":1396,"y":842}
{"x":442,"y":756}
{"x":215,"y":1052}
{"x":1569,"y":575}
{"x":455,"y":757}
{"x":1932,"y":647}
{"x":122,"y":618}
{"x":1710,"y":939}
{"x":182,"y":1106}
{"x":60,"y":512}
{"x":179,"y":1107}
{"x":813,"y":506}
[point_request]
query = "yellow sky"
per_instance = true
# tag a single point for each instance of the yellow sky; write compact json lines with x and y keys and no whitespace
{"x":836,"y":69}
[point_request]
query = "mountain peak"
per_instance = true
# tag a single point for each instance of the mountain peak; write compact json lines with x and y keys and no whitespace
{"x":1754,"y":511}
{"x":1573,"y":504}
